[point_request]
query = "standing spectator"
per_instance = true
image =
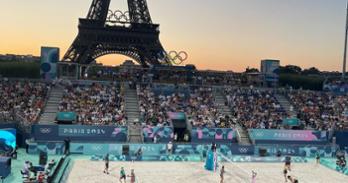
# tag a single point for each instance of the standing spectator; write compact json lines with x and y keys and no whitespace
{"x":170,"y":147}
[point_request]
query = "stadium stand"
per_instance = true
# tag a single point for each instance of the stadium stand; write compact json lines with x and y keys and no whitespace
{"x":255,"y":108}
{"x":23,"y":100}
{"x":196,"y":101}
{"x":95,"y":104}
{"x":320,"y":110}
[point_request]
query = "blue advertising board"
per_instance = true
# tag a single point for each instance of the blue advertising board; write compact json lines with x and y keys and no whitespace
{"x":242,"y":149}
{"x":49,"y":60}
{"x":7,"y":125}
{"x":297,"y":150}
{"x":7,"y":139}
{"x":21,"y":133}
{"x":51,"y":148}
{"x":79,"y":133}
{"x":209,"y":135}
{"x":291,"y":136}
{"x":151,"y":150}
{"x":342,"y":139}
{"x":176,"y":115}
{"x":291,"y":121}
{"x":117,"y":149}
{"x":66,"y":116}
{"x":336,"y":88}
{"x":163,"y":134}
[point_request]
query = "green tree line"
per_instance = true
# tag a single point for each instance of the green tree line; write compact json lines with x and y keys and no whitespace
{"x":16,"y":69}
{"x":291,"y":75}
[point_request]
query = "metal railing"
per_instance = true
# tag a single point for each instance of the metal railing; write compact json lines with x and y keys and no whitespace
{"x":22,"y":122}
{"x":47,"y":97}
{"x":239,"y":138}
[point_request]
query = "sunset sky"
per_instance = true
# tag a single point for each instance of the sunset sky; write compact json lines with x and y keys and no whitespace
{"x":217,"y":34}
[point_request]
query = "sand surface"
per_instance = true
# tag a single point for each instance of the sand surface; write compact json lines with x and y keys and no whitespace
{"x":186,"y":172}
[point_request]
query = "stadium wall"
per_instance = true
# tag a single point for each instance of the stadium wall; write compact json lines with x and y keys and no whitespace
{"x":156,"y":151}
{"x":217,"y":135}
{"x":198,"y":135}
{"x":300,"y":137}
{"x":163,"y":134}
{"x":342,"y":139}
{"x":296,"y":150}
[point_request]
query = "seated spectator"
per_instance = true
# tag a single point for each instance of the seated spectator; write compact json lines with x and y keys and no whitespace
{"x":41,"y":177}
{"x":23,"y":100}
{"x":49,"y":166}
{"x":95,"y":105}
{"x":320,"y":110}
{"x":254,"y":108}
{"x":26,"y":169}
{"x":196,"y":102}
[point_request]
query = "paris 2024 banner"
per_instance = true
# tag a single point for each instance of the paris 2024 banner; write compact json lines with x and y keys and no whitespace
{"x":276,"y":136}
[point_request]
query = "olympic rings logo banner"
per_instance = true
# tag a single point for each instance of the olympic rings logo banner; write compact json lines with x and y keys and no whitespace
{"x":242,"y":150}
{"x":45,"y":130}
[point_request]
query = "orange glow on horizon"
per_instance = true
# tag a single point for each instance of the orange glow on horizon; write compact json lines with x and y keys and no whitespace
{"x":229,"y":35}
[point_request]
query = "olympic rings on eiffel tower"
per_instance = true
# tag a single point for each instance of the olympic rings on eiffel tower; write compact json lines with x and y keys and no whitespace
{"x":177,"y":58}
{"x":118,"y":16}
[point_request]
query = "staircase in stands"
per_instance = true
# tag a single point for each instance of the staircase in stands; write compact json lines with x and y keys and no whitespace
{"x":285,"y":103}
{"x":220,"y":99}
{"x":51,"y":107}
{"x":133,"y":114}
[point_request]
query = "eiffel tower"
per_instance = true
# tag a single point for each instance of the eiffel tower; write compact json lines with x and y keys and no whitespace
{"x":130,"y":33}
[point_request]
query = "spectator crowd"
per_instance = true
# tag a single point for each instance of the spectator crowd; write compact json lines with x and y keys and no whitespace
{"x":103,"y":104}
{"x":172,"y":75}
{"x":196,"y":102}
{"x":320,"y":110}
{"x":22,"y":100}
{"x":255,"y":108}
{"x":97,"y":104}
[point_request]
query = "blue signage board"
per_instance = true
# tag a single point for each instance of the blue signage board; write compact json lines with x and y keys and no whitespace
{"x":294,"y":136}
{"x":66,"y":116}
{"x":291,"y":121}
{"x":7,"y":140}
{"x":163,"y":134}
{"x":152,"y":150}
{"x":209,"y":135}
{"x":49,"y":60}
{"x":176,"y":115}
{"x":297,"y":150}
{"x":79,"y":133}
{"x":341,"y":139}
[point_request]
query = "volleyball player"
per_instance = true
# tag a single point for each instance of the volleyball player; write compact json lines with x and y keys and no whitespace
{"x":222,"y":172}
{"x":122,"y":175}
{"x":288,"y":163}
{"x":253,"y":176}
{"x":106,"y":159}
{"x":285,"y":172}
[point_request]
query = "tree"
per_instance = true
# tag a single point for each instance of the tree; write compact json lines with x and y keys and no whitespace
{"x":311,"y":71}
{"x":289,"y":69}
{"x":251,"y":70}
{"x":301,"y":81}
{"x":15,"y":69}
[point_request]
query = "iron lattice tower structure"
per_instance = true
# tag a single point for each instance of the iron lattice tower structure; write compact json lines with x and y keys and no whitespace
{"x":130,"y":33}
